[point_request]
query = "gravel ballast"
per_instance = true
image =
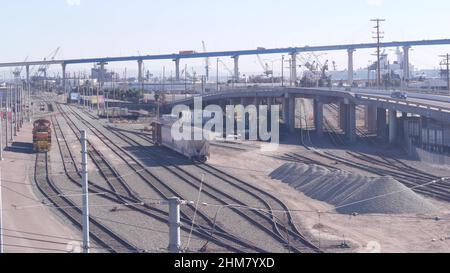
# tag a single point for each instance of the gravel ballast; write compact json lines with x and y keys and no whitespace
{"x":353,"y":193}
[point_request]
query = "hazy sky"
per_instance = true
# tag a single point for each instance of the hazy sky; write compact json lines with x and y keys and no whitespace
{"x":88,"y":28}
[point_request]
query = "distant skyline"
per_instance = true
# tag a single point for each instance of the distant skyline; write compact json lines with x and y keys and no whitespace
{"x":97,"y":28}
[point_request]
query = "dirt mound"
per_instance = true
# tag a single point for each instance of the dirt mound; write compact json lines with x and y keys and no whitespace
{"x":353,"y":193}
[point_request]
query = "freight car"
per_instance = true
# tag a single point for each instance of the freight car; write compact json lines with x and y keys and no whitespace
{"x":192,"y":149}
{"x":42,"y":136}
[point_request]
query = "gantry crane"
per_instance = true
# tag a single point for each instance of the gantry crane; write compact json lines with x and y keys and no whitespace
{"x":267,"y":71}
{"x":227,"y":68}
{"x":18,"y":71}
{"x":42,"y":70}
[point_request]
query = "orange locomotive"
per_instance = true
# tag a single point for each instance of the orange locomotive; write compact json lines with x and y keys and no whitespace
{"x":42,"y":136}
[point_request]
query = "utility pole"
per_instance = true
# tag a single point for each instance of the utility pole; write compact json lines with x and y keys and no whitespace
{"x":11,"y":127}
{"x":1,"y":131}
{"x":15,"y":110}
{"x":174,"y":225}
{"x":1,"y":214}
{"x":290,"y":78}
{"x":107,"y":107}
{"x":84,"y":183}
{"x":378,"y":37}
{"x":98,"y":100}
{"x":6,"y":117}
{"x":446,"y":63}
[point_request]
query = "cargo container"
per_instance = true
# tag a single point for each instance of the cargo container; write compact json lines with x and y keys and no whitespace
{"x":187,"y":52}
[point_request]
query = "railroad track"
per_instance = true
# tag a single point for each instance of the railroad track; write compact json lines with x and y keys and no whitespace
{"x":268,"y":223}
{"x":384,"y":166}
{"x":103,"y":236}
{"x":203,"y":224}
{"x":279,"y":231}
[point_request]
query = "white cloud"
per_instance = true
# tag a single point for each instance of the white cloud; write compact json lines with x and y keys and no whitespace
{"x":73,"y":2}
{"x":374,"y":2}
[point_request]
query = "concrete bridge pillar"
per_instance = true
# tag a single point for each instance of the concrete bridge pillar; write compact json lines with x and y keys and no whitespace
{"x":293,"y":69}
{"x":381,"y":123}
{"x":243,"y":102}
{"x":140,"y":76}
{"x":392,"y":126}
{"x":347,"y":120}
{"x":318,"y":117}
{"x":236,"y":68}
{"x":102,"y":74}
{"x":370,"y":118}
{"x":351,"y":128}
{"x":64,"y":78}
{"x":406,"y":63}
{"x":223,"y":105}
{"x":285,"y":112}
{"x":342,"y":122}
{"x":350,"y":67}
{"x":27,"y":69}
{"x":177,"y":69}
{"x":269,"y":103}
{"x":291,"y":113}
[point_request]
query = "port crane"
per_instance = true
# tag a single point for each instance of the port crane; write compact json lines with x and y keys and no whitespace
{"x":42,"y":70}
{"x":18,"y":71}
{"x":265,"y":66}
{"x":227,"y":68}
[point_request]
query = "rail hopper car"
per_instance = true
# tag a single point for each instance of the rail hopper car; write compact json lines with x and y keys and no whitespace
{"x":197,"y":150}
{"x":42,"y":136}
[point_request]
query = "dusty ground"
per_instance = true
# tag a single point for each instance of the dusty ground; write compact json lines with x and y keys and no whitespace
{"x":368,"y":233}
{"x":29,"y":226}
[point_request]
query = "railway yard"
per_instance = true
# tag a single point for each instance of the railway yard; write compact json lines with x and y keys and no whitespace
{"x":319,"y":196}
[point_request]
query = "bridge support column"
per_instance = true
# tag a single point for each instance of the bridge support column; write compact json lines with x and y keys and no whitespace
{"x":381,"y":123}
{"x":285,"y":113}
{"x":406,"y":64}
{"x":269,"y":103}
{"x":351,"y":128}
{"x":64,"y":78}
{"x":102,"y":76}
{"x":318,"y":117}
{"x":291,"y":113}
{"x":342,"y":117}
{"x":350,"y":67}
{"x":392,"y":126}
{"x":236,"y":68}
{"x":140,"y":72}
{"x":141,"y":77}
{"x":177,"y":69}
{"x":293,"y":69}
{"x":347,"y":121}
{"x":370,"y":118}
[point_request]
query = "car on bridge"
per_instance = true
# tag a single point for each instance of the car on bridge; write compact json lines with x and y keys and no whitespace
{"x":399,"y":95}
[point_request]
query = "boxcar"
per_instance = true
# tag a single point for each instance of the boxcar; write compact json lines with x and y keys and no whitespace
{"x":192,"y":149}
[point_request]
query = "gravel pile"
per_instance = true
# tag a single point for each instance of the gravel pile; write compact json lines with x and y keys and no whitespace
{"x":345,"y":191}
